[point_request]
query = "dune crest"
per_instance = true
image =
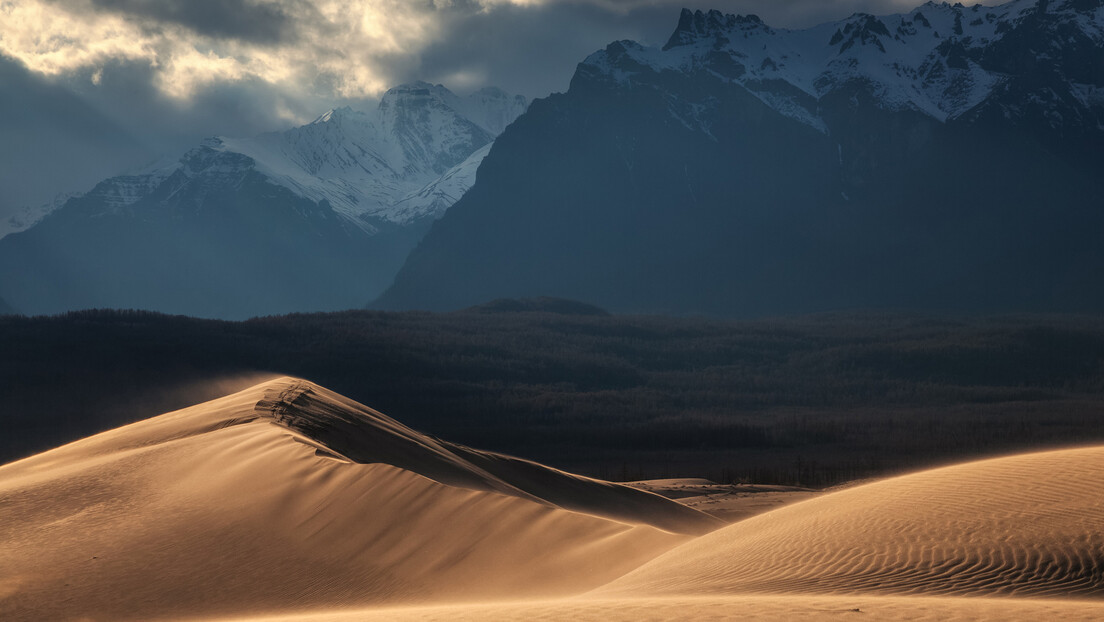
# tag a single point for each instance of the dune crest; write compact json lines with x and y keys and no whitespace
{"x":287,"y":497}
{"x":287,"y":501}
{"x":361,"y":434}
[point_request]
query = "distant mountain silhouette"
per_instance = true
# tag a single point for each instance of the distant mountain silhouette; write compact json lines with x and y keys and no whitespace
{"x":947,"y":159}
{"x":318,"y":217}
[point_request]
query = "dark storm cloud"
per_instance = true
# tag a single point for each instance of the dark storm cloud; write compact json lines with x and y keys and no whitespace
{"x":237,"y":19}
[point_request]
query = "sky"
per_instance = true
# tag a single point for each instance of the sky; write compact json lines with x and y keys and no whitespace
{"x":90,"y":88}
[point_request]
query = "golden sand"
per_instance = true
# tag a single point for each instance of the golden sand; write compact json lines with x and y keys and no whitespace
{"x":288,"y":502}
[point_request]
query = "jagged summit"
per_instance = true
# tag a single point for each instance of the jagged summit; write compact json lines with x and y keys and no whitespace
{"x":361,"y":162}
{"x":415,"y":86}
{"x":941,"y":60}
{"x":332,"y":114}
{"x":945,"y":159}
{"x":335,"y":204}
{"x":694,"y":26}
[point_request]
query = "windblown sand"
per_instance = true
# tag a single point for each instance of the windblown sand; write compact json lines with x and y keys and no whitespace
{"x":219,"y":508}
{"x":1028,"y":525}
{"x":287,"y":501}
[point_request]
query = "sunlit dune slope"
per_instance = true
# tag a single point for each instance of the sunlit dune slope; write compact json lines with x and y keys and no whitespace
{"x":287,"y":497}
{"x":1028,"y":525}
{"x":1009,"y":539}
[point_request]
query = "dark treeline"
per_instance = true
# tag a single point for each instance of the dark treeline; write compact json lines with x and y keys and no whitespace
{"x":807,"y":400}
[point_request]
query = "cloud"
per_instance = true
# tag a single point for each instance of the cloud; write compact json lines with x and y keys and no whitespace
{"x":166,"y":73}
{"x":352,"y":48}
{"x":267,"y":23}
{"x":344,"y":45}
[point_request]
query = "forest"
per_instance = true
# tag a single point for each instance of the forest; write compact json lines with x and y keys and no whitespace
{"x":809,"y":400}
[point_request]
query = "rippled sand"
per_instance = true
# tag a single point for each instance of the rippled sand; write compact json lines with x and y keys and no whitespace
{"x":287,"y":501}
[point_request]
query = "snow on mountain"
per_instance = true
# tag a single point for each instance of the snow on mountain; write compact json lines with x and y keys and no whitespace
{"x":315,"y":218}
{"x":113,"y":193}
{"x":939,"y":59}
{"x":438,"y":195}
{"x":365,"y":163}
{"x":408,"y":159}
{"x":30,"y":215}
{"x":945,"y":159}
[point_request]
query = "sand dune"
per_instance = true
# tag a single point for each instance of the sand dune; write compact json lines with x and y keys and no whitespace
{"x":1028,"y":525}
{"x":1017,"y":538}
{"x":359,"y":434}
{"x":289,"y":502}
{"x":243,"y":505}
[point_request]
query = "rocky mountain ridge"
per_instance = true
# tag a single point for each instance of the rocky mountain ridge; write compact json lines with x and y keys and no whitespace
{"x":945,"y":159}
{"x":335,"y":204}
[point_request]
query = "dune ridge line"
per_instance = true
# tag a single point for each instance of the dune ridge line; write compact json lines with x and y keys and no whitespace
{"x":237,"y":507}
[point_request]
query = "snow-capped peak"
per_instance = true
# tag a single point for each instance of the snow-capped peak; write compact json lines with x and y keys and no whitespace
{"x":939,"y":59}
{"x":332,"y":115}
{"x":29,"y":215}
{"x":695,"y":26}
{"x":407,"y":159}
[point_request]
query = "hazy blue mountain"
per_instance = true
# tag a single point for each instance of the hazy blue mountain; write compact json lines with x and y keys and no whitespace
{"x":6,"y":309}
{"x":54,"y":142}
{"x":318,"y":217}
{"x":947,"y":158}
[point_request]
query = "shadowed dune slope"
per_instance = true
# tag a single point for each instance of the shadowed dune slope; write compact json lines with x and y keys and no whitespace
{"x":286,"y":497}
{"x":361,"y":434}
{"x":1027,"y":525}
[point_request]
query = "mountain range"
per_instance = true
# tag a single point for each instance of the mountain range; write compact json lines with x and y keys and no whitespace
{"x":943,"y":159}
{"x":318,"y":217}
{"x":948,"y":158}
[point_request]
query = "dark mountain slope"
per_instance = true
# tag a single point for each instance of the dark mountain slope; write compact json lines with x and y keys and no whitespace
{"x":700,"y":178}
{"x":318,"y":217}
{"x":238,"y":248}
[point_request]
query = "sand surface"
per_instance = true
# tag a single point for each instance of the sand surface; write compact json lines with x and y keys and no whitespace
{"x":224,"y":507}
{"x":289,"y":502}
{"x":1027,"y":525}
